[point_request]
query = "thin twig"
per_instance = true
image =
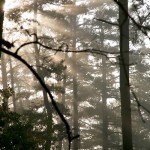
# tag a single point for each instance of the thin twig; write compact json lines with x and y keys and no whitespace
{"x":108,"y":22}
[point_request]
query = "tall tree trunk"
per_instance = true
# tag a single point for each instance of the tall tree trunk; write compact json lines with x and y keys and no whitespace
{"x":75,"y":90}
{"x":45,"y":97}
{"x":4,"y":80}
{"x":4,"y":73}
{"x":64,"y":143}
{"x":12,"y":83}
{"x":124,"y":77}
{"x":49,"y":121}
{"x":104,"y":105}
{"x":104,"y":97}
{"x":75,"y":104}
{"x":3,"y":64}
{"x":61,"y":143}
{"x":20,"y":109}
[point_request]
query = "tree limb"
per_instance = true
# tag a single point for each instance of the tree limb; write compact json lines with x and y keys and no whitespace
{"x":68,"y":130}
{"x":108,"y":22}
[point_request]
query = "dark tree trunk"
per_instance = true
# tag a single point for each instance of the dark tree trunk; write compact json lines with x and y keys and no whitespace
{"x":49,"y":121}
{"x":124,"y":77}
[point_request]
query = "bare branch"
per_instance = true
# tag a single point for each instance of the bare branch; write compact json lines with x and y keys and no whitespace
{"x":68,"y":130}
{"x":139,"y":26}
{"x":139,"y":105}
{"x":108,"y":22}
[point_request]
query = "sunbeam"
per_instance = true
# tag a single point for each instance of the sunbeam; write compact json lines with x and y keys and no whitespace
{"x":54,"y":24}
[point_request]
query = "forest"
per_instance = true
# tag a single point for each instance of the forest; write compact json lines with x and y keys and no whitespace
{"x":74,"y":75}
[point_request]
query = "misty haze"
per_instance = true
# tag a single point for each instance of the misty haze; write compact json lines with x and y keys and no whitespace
{"x":74,"y":75}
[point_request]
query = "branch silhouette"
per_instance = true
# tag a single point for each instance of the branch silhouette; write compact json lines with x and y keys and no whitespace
{"x":68,"y":129}
{"x":108,"y":22}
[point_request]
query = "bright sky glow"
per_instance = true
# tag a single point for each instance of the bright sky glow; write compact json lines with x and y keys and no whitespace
{"x":52,"y":26}
{"x":11,"y":4}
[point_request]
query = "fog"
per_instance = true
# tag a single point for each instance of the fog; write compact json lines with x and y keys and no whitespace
{"x":69,"y":96}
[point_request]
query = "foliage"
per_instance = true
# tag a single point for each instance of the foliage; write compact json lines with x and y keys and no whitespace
{"x":39,"y":120}
{"x":15,"y":133}
{"x":26,"y":130}
{"x":54,"y":28}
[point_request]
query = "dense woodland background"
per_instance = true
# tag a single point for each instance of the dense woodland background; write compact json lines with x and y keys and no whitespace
{"x":82,"y":54}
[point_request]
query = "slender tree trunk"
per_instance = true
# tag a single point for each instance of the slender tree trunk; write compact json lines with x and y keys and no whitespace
{"x":4,"y":79}
{"x":64,"y":144}
{"x":20,"y":102}
{"x":104,"y":97}
{"x":59,"y":143}
{"x":75,"y":90}
{"x":4,"y":74}
{"x":3,"y":64}
{"x":12,"y":83}
{"x":75,"y":104}
{"x":63,"y":99}
{"x":49,"y":121}
{"x":45,"y":97}
{"x":124,"y":77}
{"x":104,"y":105}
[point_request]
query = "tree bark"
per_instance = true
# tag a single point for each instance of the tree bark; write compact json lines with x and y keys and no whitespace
{"x":124,"y":77}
